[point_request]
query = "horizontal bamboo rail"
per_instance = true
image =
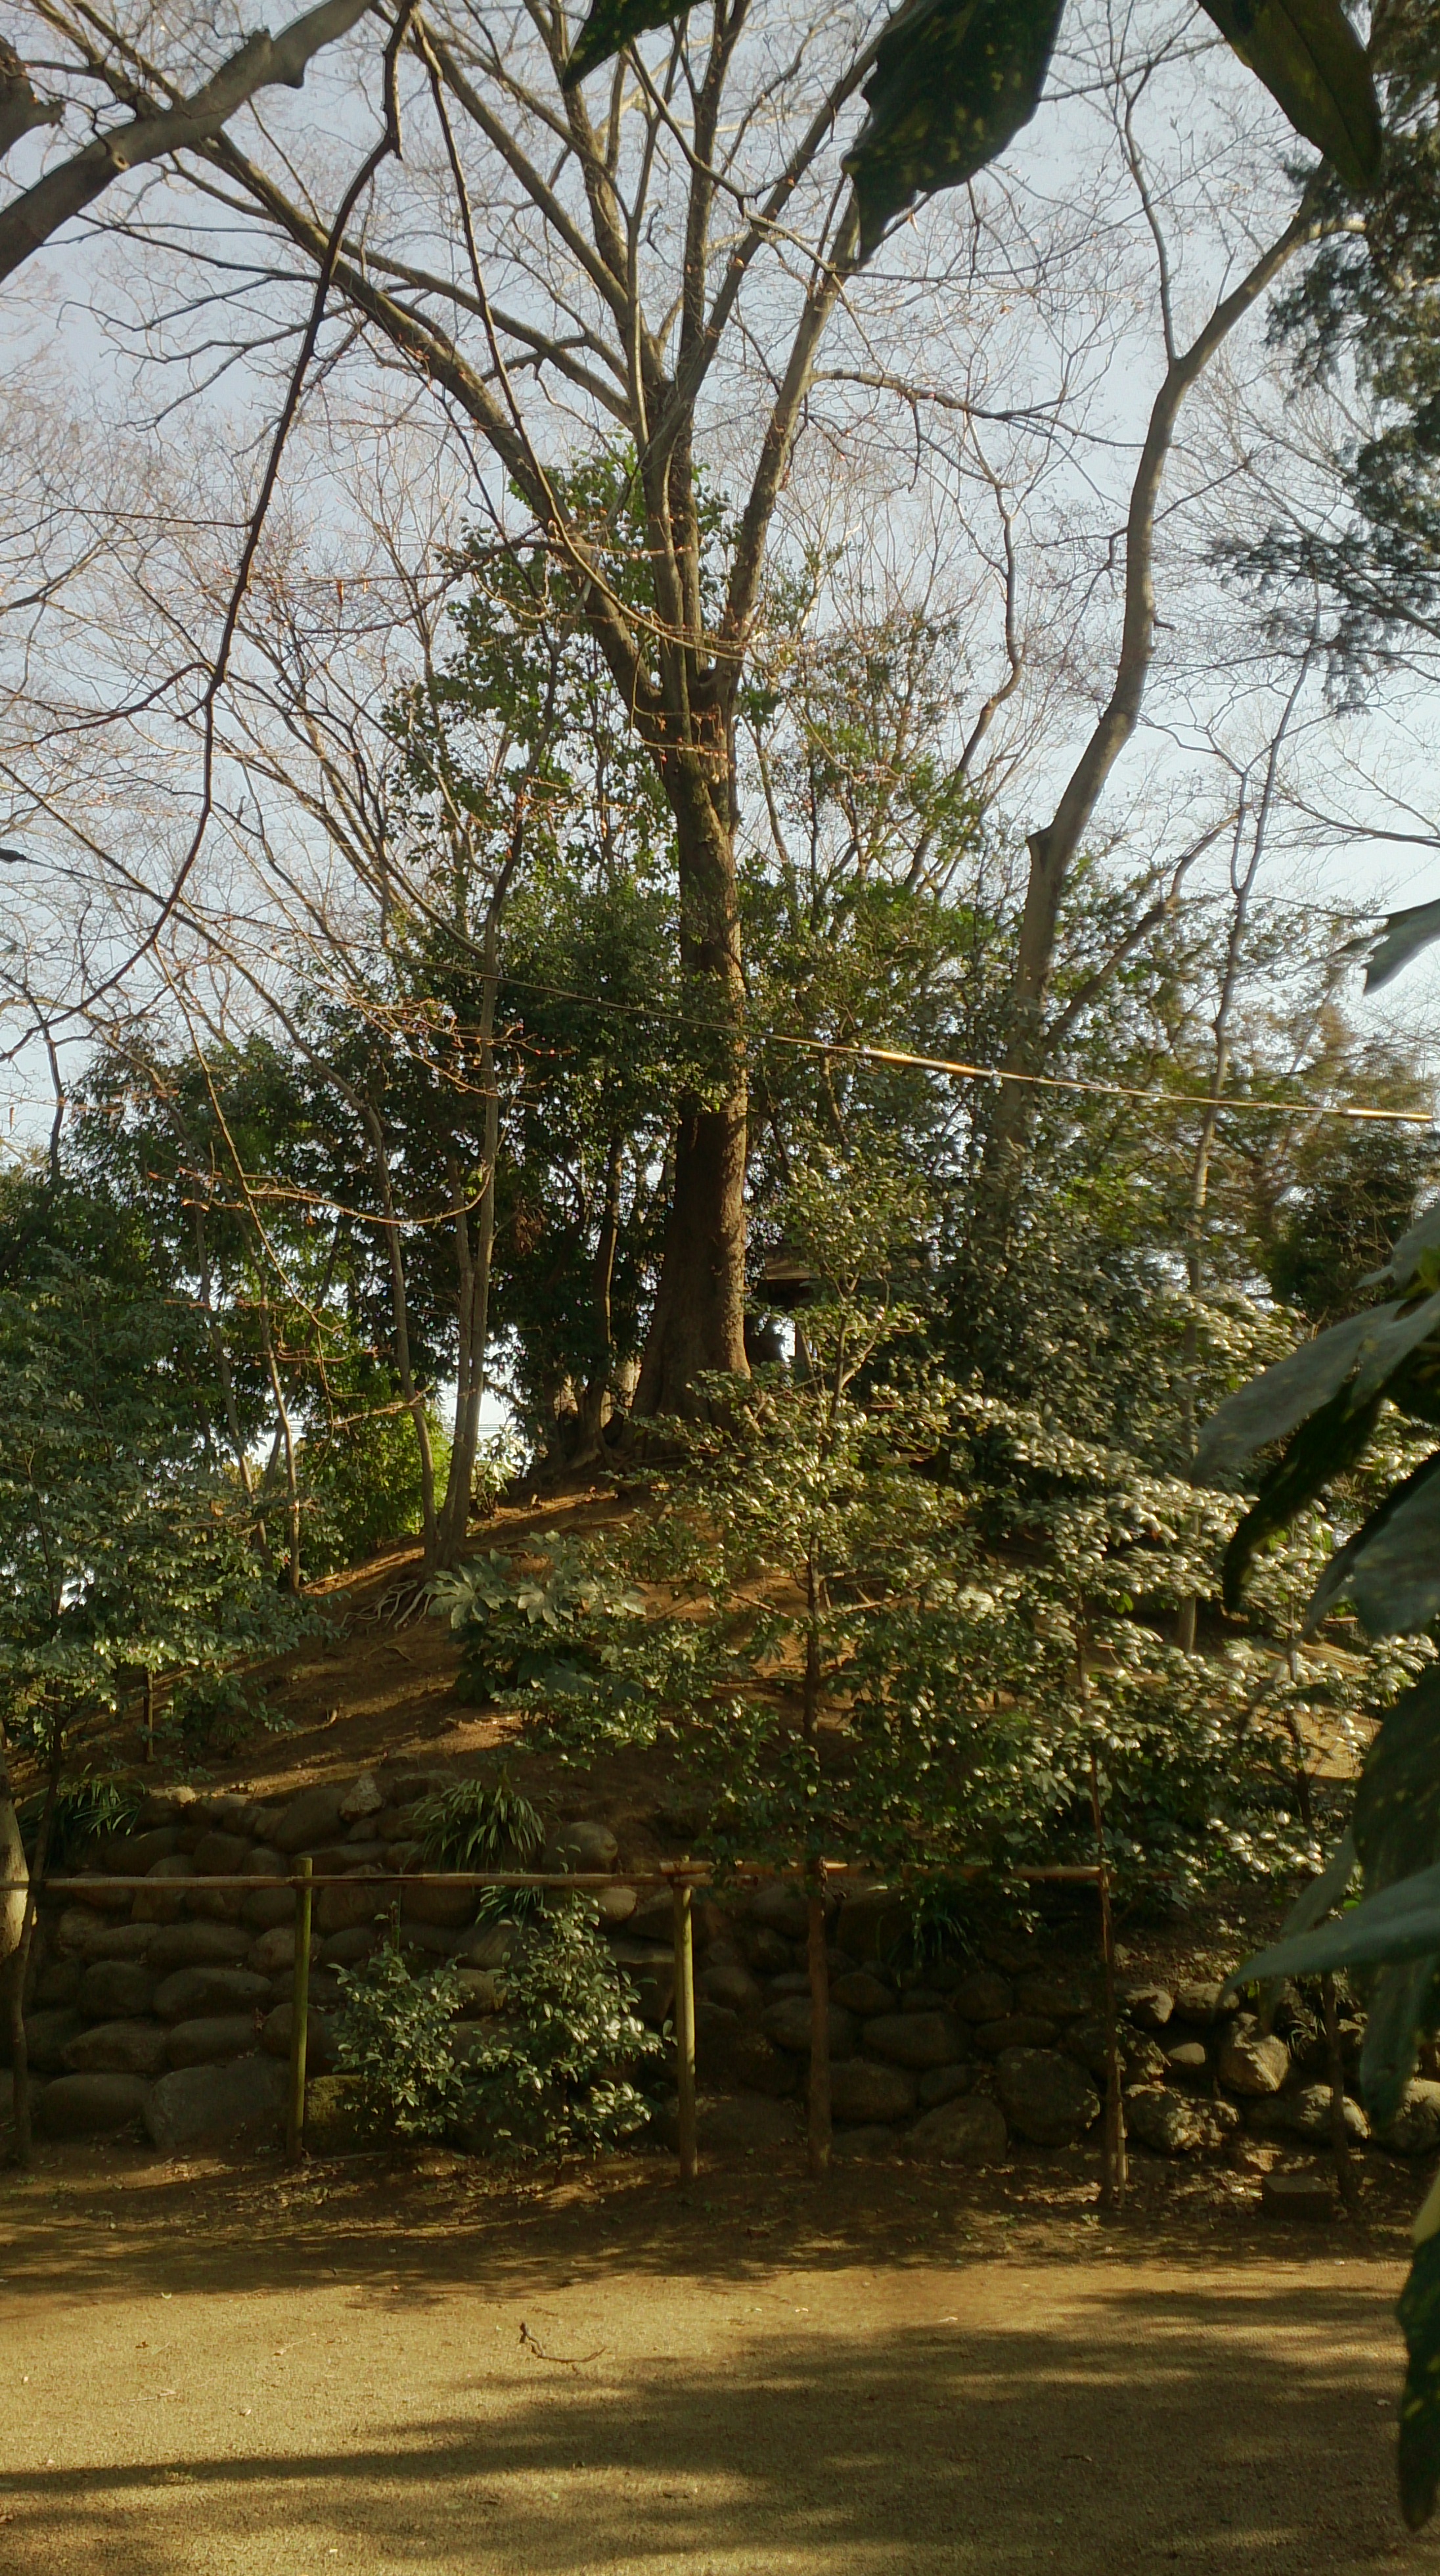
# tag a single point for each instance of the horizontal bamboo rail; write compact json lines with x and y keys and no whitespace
{"x":681,"y":1877}
{"x":688,"y":1873}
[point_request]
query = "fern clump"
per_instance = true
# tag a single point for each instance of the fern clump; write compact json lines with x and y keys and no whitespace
{"x":479,"y":1824}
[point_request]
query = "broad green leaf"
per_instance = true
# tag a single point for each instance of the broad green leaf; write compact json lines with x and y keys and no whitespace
{"x":1414,"y":1265}
{"x":1397,"y":2015}
{"x":1273,"y":1404}
{"x":1323,"y":1893}
{"x":611,"y":25}
{"x":1321,"y":1896}
{"x":1390,"y":1569}
{"x":954,"y":80}
{"x":1313,"y":64}
{"x":1396,"y":1823}
{"x":1322,"y":1449}
{"x":1419,"y":2314}
{"x":1403,"y":937}
{"x":1391,"y":1344}
{"x":1400,"y":1923}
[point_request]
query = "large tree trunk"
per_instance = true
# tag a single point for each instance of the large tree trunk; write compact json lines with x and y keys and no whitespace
{"x":474,"y":1257}
{"x":699,"y":1318}
{"x":598,"y":1384}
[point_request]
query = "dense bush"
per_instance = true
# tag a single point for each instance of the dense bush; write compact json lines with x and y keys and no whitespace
{"x":361,"y":1487}
{"x":551,"y":2076}
{"x":479,"y":1824}
{"x":555,"y":2076}
{"x":393,"y":2032}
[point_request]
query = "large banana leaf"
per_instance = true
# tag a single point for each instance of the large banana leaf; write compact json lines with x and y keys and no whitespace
{"x":954,"y":80}
{"x":1397,"y":1835}
{"x":1324,"y":1447}
{"x":1403,"y":937}
{"x":1398,"y":2011}
{"x":1274,"y":1404}
{"x":1414,"y":1265}
{"x":1397,"y":1928}
{"x":1325,"y":1892}
{"x":1400,"y":1924}
{"x":1396,"y":1823}
{"x":611,"y":25}
{"x":1313,"y":64}
{"x":1390,"y":1569}
{"x":1393,"y":1342}
{"x":1419,"y":2313}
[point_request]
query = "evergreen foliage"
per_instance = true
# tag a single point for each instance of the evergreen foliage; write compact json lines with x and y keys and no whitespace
{"x":555,"y":2076}
{"x":393,"y":2032}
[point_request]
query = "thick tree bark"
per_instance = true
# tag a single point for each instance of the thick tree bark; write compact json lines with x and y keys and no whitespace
{"x":400,"y":1316}
{"x":286,"y":1434}
{"x":699,"y":1320}
{"x":598,"y":1384}
{"x":474,"y":1254}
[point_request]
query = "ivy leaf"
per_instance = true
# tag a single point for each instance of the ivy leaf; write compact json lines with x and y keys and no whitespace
{"x":611,"y":25}
{"x":1313,"y":64}
{"x":953,"y":81}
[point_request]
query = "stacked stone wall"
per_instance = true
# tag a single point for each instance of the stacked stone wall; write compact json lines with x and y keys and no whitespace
{"x":169,"y":2008}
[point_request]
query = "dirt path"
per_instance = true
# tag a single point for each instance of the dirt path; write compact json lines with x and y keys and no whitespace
{"x":240,"y":2373}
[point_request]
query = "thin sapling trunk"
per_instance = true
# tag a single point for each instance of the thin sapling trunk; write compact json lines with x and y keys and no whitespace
{"x":20,"y":1962}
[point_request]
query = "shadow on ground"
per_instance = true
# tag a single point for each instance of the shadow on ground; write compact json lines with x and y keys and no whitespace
{"x":858,"y":2403}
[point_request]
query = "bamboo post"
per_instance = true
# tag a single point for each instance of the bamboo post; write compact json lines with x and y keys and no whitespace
{"x":819,"y":2028}
{"x":685,"y":2025}
{"x":1113,"y":2177}
{"x":1345,"y":2173}
{"x":299,"y":2016}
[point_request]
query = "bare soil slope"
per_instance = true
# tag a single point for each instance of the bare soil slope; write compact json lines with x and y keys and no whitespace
{"x":372,"y":1689}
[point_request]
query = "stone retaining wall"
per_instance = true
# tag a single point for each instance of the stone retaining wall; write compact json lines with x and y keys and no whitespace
{"x":173,"y":2008}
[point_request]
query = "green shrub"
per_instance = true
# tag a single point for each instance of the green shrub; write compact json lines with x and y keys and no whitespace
{"x":522,"y":1631}
{"x":361,"y":1487}
{"x":393,"y":2031}
{"x":498,"y":1462}
{"x":555,"y":2077}
{"x":83,"y":1809}
{"x":215,"y":1712}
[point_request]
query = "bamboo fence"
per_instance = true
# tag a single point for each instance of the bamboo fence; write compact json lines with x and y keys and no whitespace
{"x":682,"y":1877}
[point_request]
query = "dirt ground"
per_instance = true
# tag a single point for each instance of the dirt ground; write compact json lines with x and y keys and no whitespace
{"x":387,"y":2367}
